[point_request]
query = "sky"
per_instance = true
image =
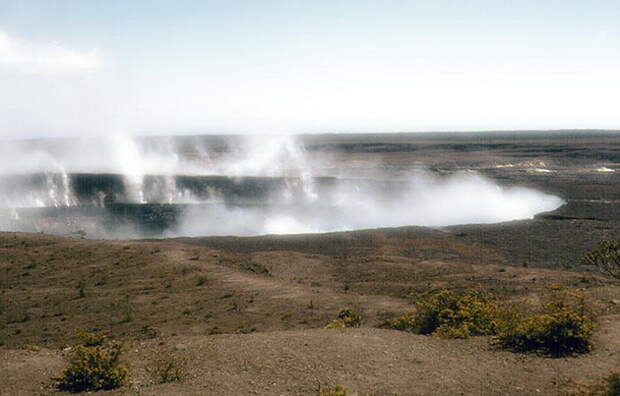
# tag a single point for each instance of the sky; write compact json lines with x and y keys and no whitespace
{"x":83,"y":68}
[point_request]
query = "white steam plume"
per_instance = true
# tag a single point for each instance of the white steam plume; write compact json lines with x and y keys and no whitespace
{"x":296,"y":200}
{"x":425,"y":200}
{"x":21,"y":56}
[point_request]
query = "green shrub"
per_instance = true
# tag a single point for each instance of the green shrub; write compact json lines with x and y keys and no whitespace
{"x":606,"y":257}
{"x":168,"y":370}
{"x":449,"y":315}
{"x":346,"y":318}
{"x":93,"y":368}
{"x":564,"y":327}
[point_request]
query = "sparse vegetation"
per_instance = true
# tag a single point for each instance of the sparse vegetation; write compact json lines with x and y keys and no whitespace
{"x":167,"y":370}
{"x":404,"y":322}
{"x":127,"y":314}
{"x":449,"y":315}
{"x":346,"y":318}
{"x":160,"y":332}
{"x":148,"y":332}
{"x":93,"y":368}
{"x":90,"y":339}
{"x":564,"y":327}
{"x":81,"y":290}
{"x":610,"y":386}
{"x":126,"y":317}
{"x":606,"y":258}
{"x":19,"y":317}
{"x":338,"y":390}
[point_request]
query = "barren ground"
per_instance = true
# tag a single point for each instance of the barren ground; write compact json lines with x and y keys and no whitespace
{"x":246,"y":315}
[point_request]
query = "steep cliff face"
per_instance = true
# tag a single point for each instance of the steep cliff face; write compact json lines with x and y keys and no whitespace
{"x":97,"y":189}
{"x":102,"y":189}
{"x":151,"y":205}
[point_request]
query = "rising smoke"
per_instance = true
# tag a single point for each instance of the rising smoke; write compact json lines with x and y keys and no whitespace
{"x":252,"y":186}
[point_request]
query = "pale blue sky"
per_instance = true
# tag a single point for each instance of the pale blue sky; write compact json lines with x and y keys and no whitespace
{"x":165,"y":67}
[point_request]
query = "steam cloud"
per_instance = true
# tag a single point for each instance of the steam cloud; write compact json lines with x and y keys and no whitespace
{"x":21,"y":56}
{"x":251,"y":186}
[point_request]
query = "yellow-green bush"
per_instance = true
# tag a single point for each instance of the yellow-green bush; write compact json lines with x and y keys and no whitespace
{"x":404,"y":322}
{"x":338,"y":390}
{"x":449,"y":315}
{"x":564,"y":327}
{"x":93,"y":368}
{"x":90,"y":339}
{"x":606,"y":257}
{"x":346,"y":318}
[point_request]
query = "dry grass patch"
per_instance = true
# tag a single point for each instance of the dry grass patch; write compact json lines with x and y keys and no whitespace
{"x":167,"y":370}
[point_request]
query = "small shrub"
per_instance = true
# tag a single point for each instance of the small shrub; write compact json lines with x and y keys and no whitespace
{"x":93,"y":368}
{"x":448,"y":315}
{"x":564,"y":327}
{"x":168,"y":370}
{"x":126,"y":317}
{"x":610,"y":386}
{"x":337,"y":391}
{"x":606,"y":257}
{"x":148,"y":332}
{"x":89,"y":339}
{"x":81,"y":290}
{"x":404,"y":322}
{"x":346,"y":318}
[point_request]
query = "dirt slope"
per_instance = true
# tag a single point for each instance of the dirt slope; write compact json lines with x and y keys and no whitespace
{"x":246,"y":314}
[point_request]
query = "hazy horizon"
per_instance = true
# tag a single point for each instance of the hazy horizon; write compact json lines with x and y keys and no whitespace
{"x":72,"y":68}
{"x":434,"y":134}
